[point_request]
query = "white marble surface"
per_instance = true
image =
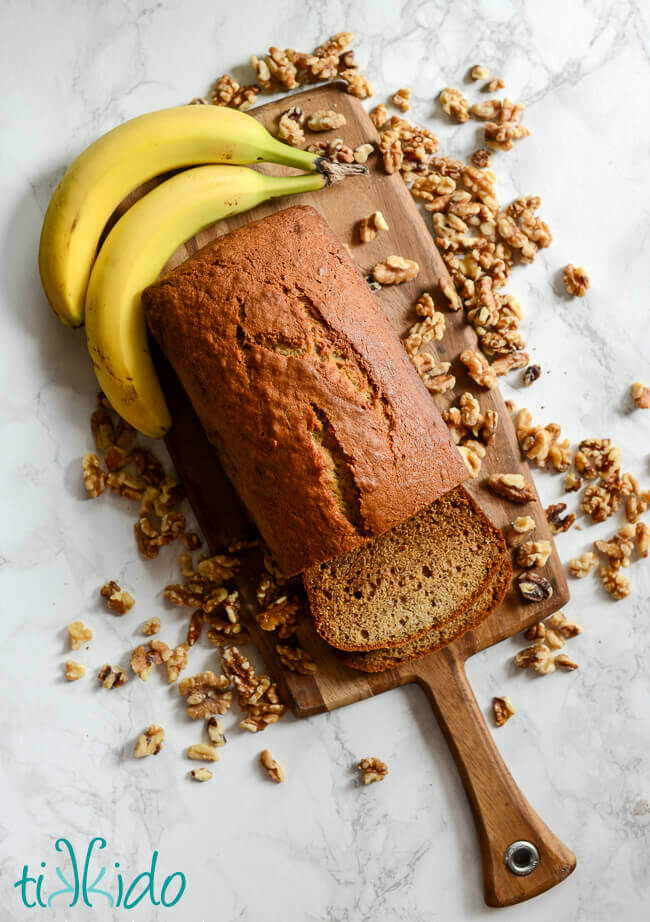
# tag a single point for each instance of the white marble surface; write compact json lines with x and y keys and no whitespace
{"x":318,"y":846}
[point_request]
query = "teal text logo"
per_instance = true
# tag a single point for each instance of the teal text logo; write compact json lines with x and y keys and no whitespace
{"x":81,"y":881}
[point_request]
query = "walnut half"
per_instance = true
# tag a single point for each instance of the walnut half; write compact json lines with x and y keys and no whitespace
{"x":502,"y":709}
{"x":272,"y":768}
{"x":150,"y":742}
{"x":372,"y":769}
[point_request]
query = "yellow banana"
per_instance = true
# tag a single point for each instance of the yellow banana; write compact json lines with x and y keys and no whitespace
{"x":132,"y":257}
{"x":122,"y":160}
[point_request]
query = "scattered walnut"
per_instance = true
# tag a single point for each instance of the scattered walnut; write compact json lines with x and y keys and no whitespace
{"x":151,"y":626}
{"x":176,"y":662}
{"x":391,"y":151}
{"x":143,"y":660}
{"x":536,"y":631}
{"x":273,"y":769}
{"x":503,"y":136}
{"x":560,"y":623}
{"x":618,"y":549}
{"x":572,"y":482}
{"x":534,"y":587}
{"x":512,"y":487}
{"x":372,"y":769}
{"x":400,"y":99}
{"x":203,"y":752}
{"x":478,"y":368}
{"x":564,"y":661}
{"x":579,"y":567}
{"x":642,"y":533}
{"x":379,"y":115}
{"x":79,"y":635}
{"x":357,"y":85}
{"x":615,"y":582}
{"x":368,"y":227}
{"x":481,"y":158}
{"x":362,"y":152}
{"x":281,"y":615}
{"x":227,"y":92}
{"x":454,"y":104}
{"x":479,"y":72}
{"x":555,"y":520}
{"x":506,"y":363}
{"x":94,"y":476}
{"x":117,"y":600}
{"x":533,"y":553}
{"x":599,"y":502}
{"x":112,"y":676}
{"x":296,"y":659}
{"x":554,"y":640}
{"x":214,"y":729}
{"x":537,"y":657}
{"x":334,"y":150}
{"x":531,"y":374}
{"x":194,"y":627}
{"x":576,"y":281}
{"x":325,"y":120}
{"x":150,"y":742}
{"x":435,"y":375}
{"x":290,"y":126}
{"x":523,"y":524}
{"x":635,"y":506}
{"x":205,"y":694}
{"x":641,"y":395}
{"x":201,"y":774}
{"x":395,"y":270}
{"x":74,"y":670}
{"x":495,"y":84}
{"x":503,"y":709}
{"x":472,"y":453}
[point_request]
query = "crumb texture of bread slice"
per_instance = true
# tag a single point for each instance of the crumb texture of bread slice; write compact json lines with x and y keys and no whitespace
{"x":436,"y":638}
{"x":415,"y":577}
{"x":318,"y":416}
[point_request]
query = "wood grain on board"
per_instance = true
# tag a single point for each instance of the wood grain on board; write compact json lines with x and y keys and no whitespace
{"x":502,"y":814}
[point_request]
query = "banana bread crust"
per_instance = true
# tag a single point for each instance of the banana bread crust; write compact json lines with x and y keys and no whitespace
{"x":319,"y":418}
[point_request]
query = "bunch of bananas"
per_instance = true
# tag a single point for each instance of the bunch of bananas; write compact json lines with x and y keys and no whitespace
{"x":105,"y":288}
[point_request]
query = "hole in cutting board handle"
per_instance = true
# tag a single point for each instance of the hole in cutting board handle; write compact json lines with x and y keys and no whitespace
{"x":521,"y":858}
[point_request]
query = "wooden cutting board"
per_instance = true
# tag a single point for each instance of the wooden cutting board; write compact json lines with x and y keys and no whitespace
{"x":502,"y":814}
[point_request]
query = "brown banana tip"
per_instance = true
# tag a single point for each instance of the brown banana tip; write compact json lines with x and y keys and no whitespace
{"x":335,"y":172}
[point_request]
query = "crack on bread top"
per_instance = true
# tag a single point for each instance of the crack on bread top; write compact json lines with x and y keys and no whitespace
{"x":338,"y":469}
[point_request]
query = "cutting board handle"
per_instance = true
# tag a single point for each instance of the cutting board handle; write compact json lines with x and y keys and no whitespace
{"x":507,"y":825}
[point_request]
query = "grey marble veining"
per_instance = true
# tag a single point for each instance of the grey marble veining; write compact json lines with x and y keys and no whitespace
{"x":318,"y":846}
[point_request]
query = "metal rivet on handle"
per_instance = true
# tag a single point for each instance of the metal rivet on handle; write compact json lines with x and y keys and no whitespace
{"x":521,"y":858}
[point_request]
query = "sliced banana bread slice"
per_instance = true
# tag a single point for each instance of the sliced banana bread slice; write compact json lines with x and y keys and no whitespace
{"x":417,"y":576}
{"x":491,"y":598}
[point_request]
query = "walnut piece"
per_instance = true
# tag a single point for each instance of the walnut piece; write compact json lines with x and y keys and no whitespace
{"x":479,"y":72}
{"x":325,"y":120}
{"x":531,"y":374}
{"x":576,"y":280}
{"x":472,"y":453}
{"x":272,"y":768}
{"x":395,"y":270}
{"x":481,"y":158}
{"x":93,"y":474}
{"x":454,"y":104}
{"x":205,"y":694}
{"x":572,"y":482}
{"x":581,"y":566}
{"x":362,"y":152}
{"x":296,"y":659}
{"x":400,"y":99}
{"x":79,"y":635}
{"x":559,"y":622}
{"x":533,"y":553}
{"x":502,"y":709}
{"x":201,"y":774}
{"x":143,"y":660}
{"x":512,"y":487}
{"x":615,"y":582}
{"x":281,"y":615}
{"x":117,"y":600}
{"x":368,"y":227}
{"x":372,"y":769}
{"x":523,"y":524}
{"x":111,"y":676}
{"x":536,"y":631}
{"x":495,"y":84}
{"x":74,"y":670}
{"x":555,"y":520}
{"x":564,"y":661}
{"x":203,"y":752}
{"x":357,"y":85}
{"x":642,"y":533}
{"x":290,"y":126}
{"x":150,"y":742}
{"x":478,"y":368}
{"x":538,"y":657}
{"x":534,"y":587}
{"x":334,"y":150}
{"x":214,"y":729}
{"x":176,"y":662}
{"x":641,"y":395}
{"x":151,"y":626}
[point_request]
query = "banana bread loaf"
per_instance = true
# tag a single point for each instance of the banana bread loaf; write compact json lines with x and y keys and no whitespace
{"x":319,"y":419}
